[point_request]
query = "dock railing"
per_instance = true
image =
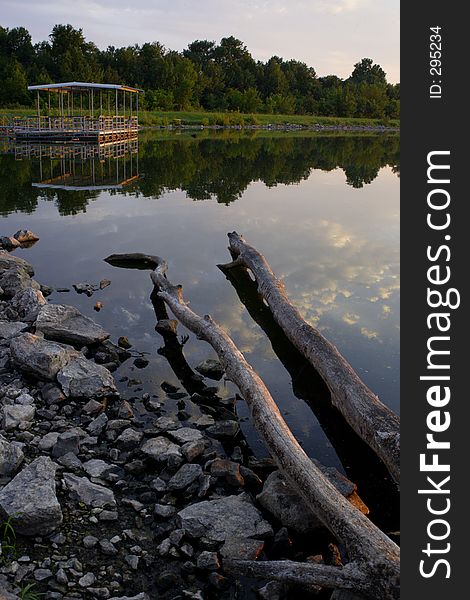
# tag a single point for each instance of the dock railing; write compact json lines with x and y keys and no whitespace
{"x":75,"y":124}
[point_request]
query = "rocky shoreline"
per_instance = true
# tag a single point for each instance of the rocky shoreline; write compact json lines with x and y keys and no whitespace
{"x":99,"y":503}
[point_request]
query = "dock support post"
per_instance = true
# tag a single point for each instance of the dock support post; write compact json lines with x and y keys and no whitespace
{"x":39,"y":111}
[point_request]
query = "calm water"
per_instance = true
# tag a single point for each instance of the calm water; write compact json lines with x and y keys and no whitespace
{"x":323,"y":210}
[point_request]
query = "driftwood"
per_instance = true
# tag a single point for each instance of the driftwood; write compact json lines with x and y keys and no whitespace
{"x":374,"y":422}
{"x":373,"y":570}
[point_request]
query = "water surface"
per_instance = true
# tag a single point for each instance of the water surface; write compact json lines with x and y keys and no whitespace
{"x":324,"y":210}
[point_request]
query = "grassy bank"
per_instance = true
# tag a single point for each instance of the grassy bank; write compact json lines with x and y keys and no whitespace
{"x":162,"y":118}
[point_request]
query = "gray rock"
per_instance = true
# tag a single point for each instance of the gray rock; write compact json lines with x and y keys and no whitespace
{"x":132,"y":560}
{"x":209,"y":561}
{"x":98,"y":468}
{"x":129,"y":438}
{"x":52,"y":394}
{"x":87,"y":580}
{"x":89,"y":493}
{"x":224,"y":518}
{"x":192,"y":450}
{"x":70,"y":461}
{"x":39,"y":357}
{"x":69,"y":441}
{"x":90,"y":541}
{"x":42,"y":574}
{"x":108,"y":548}
{"x":288,"y":507}
{"x":98,"y":424}
{"x":229,"y":470}
{"x":211,"y":368}
{"x":7,"y":261}
{"x":242,"y":548}
{"x":67,"y":324}
{"x":11,"y":457}
{"x":30,"y":499}
{"x":223,"y":429}
{"x":185,"y":434}
{"x":24,"y":399}
{"x":15,"y":280}
{"x":27,"y":303}
{"x":141,"y":596}
{"x":185,"y":476}
{"x":48,"y":441}
{"x":164,"y":511}
{"x":92,"y":407}
{"x":81,"y":378}
{"x":9,"y":329}
{"x":160,"y":449}
{"x":17,"y":415}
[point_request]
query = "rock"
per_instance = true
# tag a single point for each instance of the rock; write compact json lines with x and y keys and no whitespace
{"x":161,"y":449}
{"x":289,"y":508}
{"x":39,"y":357}
{"x":208,"y":561}
{"x":108,"y":548}
{"x":211,"y":368}
{"x":30,"y":499}
{"x":48,"y":441}
{"x":98,"y":468}
{"x":91,"y":494}
{"x":229,"y":470}
{"x":15,"y":280}
{"x":192,"y":450}
{"x":69,"y":441}
{"x":42,"y":574}
{"x":129,"y":438}
{"x":70,"y":461}
{"x":123,"y":342}
{"x":90,"y":541}
{"x":224,"y":518}
{"x":9,"y":242}
{"x":16,"y":415}
{"x":141,"y":363}
{"x":98,"y":424}
{"x":28,"y":303}
{"x":81,"y":378}
{"x":9,"y":329}
{"x":24,"y":399}
{"x":25,"y":236}
{"x":164,"y":511}
{"x":87,"y":580}
{"x":185,"y":434}
{"x":92,"y":407}
{"x":67,"y":324}
{"x":185,"y":476}
{"x":273,"y":590}
{"x":84,"y":288}
{"x":104,"y":283}
{"x":132,"y":560}
{"x":11,"y":457}
{"x":223,"y":429}
{"x":141,"y":596}
{"x":52,"y":394}
{"x":242,"y":548}
{"x":8,"y":261}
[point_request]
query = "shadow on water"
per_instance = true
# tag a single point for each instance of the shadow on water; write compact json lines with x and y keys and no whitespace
{"x":205,"y":166}
{"x":361,"y":465}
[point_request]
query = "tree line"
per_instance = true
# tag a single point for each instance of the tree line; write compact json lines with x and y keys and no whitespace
{"x":206,"y":75}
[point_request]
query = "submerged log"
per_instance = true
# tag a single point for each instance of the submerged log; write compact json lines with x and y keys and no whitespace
{"x":135,"y":260}
{"x":373,"y":570}
{"x":374,"y":422}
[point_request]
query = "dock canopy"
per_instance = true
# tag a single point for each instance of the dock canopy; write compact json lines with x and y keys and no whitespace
{"x":79,"y":86}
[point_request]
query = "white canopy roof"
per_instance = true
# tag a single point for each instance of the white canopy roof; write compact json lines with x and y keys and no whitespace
{"x":81,"y":86}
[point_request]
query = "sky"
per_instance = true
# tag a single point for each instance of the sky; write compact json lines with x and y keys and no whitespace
{"x":329,"y":35}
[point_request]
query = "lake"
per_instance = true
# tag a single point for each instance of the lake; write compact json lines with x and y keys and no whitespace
{"x":323,"y":209}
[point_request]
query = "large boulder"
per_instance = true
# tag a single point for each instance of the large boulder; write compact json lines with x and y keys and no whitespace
{"x":40,"y":357}
{"x":11,"y":457}
{"x":81,"y":378}
{"x":7,"y":261}
{"x":27,"y":303}
{"x":289,"y":508}
{"x":224,"y":518}
{"x":16,"y":279}
{"x":30,"y":499}
{"x":91,"y":494}
{"x":10,"y":329}
{"x":67,"y":324}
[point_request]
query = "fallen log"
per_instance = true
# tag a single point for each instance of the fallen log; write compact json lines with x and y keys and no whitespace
{"x":374,"y":422}
{"x":373,"y":570}
{"x":134,"y":260}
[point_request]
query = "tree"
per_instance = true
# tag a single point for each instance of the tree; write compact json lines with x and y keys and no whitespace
{"x":366,"y":71}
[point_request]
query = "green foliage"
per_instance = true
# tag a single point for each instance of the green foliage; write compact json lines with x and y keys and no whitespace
{"x":213,"y":76}
{"x":8,"y":550}
{"x":27,"y":592}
